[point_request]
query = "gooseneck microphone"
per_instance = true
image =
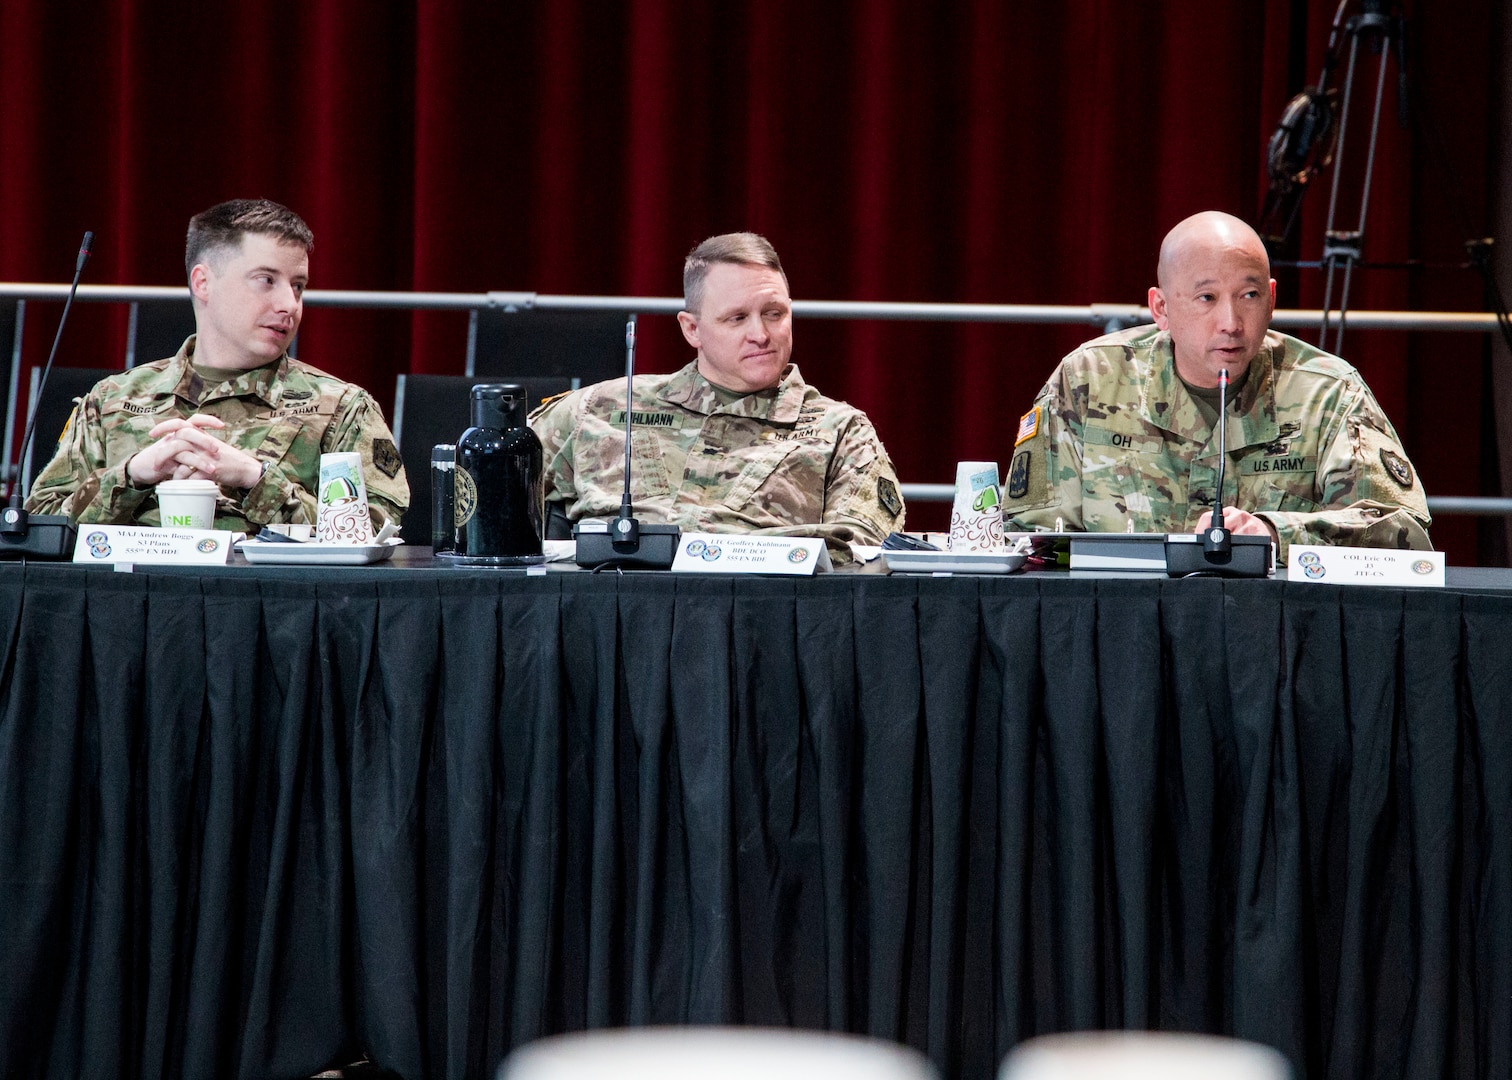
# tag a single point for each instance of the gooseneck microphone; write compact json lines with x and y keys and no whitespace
{"x":1217,"y":539}
{"x":624,"y":542}
{"x":1217,"y":551}
{"x":626,"y":528}
{"x":45,"y":536}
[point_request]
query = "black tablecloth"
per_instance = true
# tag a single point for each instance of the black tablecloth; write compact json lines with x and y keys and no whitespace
{"x":253,"y":822}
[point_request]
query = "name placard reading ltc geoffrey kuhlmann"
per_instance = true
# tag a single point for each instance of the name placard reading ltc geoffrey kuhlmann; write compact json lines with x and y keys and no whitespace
{"x":732,"y":553}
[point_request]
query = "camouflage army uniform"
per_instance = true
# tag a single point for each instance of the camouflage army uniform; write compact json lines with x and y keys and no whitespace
{"x":786,"y":462}
{"x":1114,"y":437}
{"x":285,"y":414}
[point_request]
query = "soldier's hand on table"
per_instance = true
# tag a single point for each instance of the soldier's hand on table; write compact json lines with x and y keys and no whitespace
{"x":1240,"y":521}
{"x":185,"y":450}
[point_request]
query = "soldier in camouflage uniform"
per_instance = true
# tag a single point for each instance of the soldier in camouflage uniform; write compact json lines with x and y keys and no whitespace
{"x":232,"y":406}
{"x":734,"y":442}
{"x":1125,"y":430}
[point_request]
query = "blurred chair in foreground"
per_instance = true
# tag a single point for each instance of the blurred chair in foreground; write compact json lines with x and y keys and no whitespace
{"x":1142,"y":1055}
{"x":714,"y":1053}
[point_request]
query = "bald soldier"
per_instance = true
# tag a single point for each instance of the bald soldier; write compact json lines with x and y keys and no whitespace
{"x":1125,"y":430}
{"x":734,"y":442}
{"x":232,"y":406}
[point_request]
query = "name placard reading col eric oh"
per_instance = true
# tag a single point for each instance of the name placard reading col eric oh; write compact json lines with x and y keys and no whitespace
{"x":144,"y":544}
{"x":730,"y":553}
{"x":1365,"y":566}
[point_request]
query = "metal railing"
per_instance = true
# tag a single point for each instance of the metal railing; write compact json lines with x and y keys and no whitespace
{"x":1109,"y":317}
{"x":1056,"y":314}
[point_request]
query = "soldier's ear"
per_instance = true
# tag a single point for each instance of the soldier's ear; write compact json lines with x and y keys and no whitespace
{"x":689,"y":324}
{"x":199,"y":282}
{"x":1158,"y":307}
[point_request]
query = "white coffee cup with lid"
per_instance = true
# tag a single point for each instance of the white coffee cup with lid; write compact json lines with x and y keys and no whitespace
{"x":187,"y":504}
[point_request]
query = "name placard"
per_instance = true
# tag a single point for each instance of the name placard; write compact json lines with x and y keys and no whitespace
{"x":144,"y":544}
{"x":1364,"y":566}
{"x":732,"y":553}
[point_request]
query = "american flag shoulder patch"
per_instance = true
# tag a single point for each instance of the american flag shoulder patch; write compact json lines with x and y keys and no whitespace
{"x":1028,"y":425}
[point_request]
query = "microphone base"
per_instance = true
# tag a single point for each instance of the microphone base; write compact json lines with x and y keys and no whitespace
{"x":47,"y":537}
{"x":654,"y":549}
{"x":1247,"y":556}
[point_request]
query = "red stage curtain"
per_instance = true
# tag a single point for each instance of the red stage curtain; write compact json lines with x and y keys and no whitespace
{"x":975,"y":151}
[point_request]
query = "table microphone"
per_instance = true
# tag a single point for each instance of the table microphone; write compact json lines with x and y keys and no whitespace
{"x":43,"y":536}
{"x":1216,"y":551}
{"x":1217,"y":539}
{"x":626,"y":530}
{"x":624,"y":541}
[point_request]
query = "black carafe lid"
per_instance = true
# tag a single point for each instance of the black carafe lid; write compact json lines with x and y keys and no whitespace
{"x":499,"y":405}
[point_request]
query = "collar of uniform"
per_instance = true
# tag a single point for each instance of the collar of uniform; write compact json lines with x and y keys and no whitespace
{"x":696,"y":394}
{"x":264,"y":383}
{"x":1256,"y":419}
{"x":1169,"y":407}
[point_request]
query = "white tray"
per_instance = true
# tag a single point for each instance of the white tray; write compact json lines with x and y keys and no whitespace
{"x":262,"y":553}
{"x":951,"y":562}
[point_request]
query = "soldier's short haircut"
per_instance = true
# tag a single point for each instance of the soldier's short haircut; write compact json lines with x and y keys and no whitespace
{"x":222,"y":227}
{"x":740,"y":248}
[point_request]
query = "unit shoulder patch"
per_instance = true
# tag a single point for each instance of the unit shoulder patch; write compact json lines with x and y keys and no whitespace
{"x":386,"y":457}
{"x":1397,"y":466}
{"x":1018,"y":475}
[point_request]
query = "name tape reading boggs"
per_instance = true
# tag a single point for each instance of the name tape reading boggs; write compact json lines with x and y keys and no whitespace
{"x":1365,"y":566}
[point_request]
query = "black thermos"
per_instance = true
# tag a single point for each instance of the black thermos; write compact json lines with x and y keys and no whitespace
{"x":500,"y":503}
{"x":443,"y":498}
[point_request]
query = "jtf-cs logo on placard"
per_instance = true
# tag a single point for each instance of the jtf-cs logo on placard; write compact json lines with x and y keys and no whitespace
{"x":1311,"y":565}
{"x":700,"y":550}
{"x":1422,"y":566}
{"x":207,"y":545}
{"x":797,"y":555}
{"x":99,"y":545}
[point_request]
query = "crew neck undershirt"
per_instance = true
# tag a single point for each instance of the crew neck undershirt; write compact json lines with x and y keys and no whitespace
{"x":1206,"y":397}
{"x":214,"y":376}
{"x":730,"y":397}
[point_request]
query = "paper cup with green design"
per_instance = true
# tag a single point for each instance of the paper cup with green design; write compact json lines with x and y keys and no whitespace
{"x":976,"y":519}
{"x":342,"y":514}
{"x":187,"y":504}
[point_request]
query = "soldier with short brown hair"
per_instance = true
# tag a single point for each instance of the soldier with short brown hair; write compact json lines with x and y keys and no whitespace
{"x":734,"y":442}
{"x":232,"y":406}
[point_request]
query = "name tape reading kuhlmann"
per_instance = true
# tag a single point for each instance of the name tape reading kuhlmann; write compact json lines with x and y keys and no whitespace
{"x":644,"y":419}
